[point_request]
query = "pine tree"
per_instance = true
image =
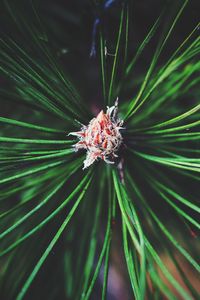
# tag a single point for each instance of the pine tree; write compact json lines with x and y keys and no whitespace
{"x":129,"y":218}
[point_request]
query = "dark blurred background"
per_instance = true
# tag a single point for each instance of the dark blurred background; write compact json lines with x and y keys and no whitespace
{"x":69,"y":26}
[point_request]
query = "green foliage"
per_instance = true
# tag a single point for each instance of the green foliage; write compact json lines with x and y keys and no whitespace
{"x":61,"y":225}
